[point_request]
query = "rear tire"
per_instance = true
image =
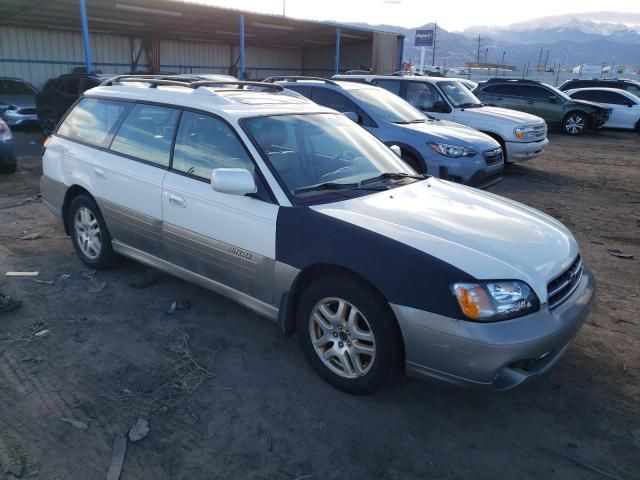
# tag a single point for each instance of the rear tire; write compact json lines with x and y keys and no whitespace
{"x":348,"y":334}
{"x":574,"y":124}
{"x":89,"y":234}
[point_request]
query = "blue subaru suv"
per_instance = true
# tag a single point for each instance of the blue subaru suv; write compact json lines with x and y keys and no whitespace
{"x":440,"y":148}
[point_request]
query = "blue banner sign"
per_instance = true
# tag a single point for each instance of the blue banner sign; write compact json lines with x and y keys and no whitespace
{"x":424,"y":38}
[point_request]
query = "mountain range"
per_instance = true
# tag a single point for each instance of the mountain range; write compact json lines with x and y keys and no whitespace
{"x":597,"y":38}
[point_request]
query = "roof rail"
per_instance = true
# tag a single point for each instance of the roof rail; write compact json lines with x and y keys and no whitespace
{"x":185,"y":81}
{"x":295,"y":78}
{"x":358,"y":72}
{"x":406,"y":73}
{"x":514,"y":80}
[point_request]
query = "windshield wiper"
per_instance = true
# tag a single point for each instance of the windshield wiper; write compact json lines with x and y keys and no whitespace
{"x":392,"y":176}
{"x":336,"y":186}
{"x":418,"y":120}
{"x":469,"y":105}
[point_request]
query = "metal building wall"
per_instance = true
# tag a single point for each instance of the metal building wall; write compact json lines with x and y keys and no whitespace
{"x":195,"y":57}
{"x":321,"y":61}
{"x":261,"y":62}
{"x":37,"y":54}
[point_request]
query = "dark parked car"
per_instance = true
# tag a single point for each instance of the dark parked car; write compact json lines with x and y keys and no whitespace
{"x":7,"y":153}
{"x":59,"y":93}
{"x":631,"y":86}
{"x":574,"y":117}
{"x":17,"y":101}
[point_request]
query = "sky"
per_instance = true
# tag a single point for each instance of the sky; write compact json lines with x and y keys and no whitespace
{"x":453,"y":15}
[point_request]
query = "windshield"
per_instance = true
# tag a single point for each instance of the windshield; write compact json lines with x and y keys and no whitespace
{"x":314,"y":153}
{"x":558,"y":92}
{"x":14,"y":87}
{"x":386,"y":105}
{"x":458,"y":95}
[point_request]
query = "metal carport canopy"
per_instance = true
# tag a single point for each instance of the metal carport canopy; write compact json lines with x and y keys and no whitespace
{"x":181,"y":20}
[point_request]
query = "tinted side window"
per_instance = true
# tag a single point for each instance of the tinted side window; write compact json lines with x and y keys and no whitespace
{"x":423,"y":96}
{"x":204,"y":143}
{"x":533,"y":92}
{"x":392,"y":85}
{"x":586,"y":95}
{"x":89,"y":83}
{"x":70,"y":86}
{"x":147,"y":133}
{"x":329,"y":98}
{"x":615,"y":98}
{"x":498,"y":89}
{"x":92,"y":121}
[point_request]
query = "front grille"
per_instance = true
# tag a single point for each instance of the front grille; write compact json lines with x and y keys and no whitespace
{"x":540,"y":131}
{"x":27,"y":111}
{"x":559,"y":289}
{"x":493,"y":156}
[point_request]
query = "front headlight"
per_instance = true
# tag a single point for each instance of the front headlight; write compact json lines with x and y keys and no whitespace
{"x":490,"y":301}
{"x":524,"y":133}
{"x":451,"y":150}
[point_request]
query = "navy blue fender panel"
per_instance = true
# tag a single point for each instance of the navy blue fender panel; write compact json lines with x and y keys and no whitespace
{"x":404,"y":275}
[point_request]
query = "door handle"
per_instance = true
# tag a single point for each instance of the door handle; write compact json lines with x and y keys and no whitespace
{"x":99,"y":172}
{"x":177,"y":200}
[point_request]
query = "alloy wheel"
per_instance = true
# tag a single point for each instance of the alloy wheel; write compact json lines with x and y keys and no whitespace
{"x":87,"y":232}
{"x":574,"y":124}
{"x":342,"y":338}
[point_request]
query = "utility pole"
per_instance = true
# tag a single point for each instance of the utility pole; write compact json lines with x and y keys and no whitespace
{"x":539,"y":60}
{"x":478,"y":57}
{"x":486,"y":51}
{"x":546,"y":60}
{"x":284,"y":5}
{"x":435,"y":30}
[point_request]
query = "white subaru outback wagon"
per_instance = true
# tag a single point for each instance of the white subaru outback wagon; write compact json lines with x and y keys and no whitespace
{"x":297,"y":213}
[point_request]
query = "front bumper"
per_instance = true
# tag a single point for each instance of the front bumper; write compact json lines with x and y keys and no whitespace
{"x":472,"y":171}
{"x":519,"y":151}
{"x":500,"y":354}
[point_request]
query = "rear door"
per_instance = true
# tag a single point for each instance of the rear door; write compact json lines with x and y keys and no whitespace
{"x":229,"y":239}
{"x":129,"y":176}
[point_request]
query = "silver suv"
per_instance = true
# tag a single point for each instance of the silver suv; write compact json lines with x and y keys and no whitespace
{"x":443,"y":149}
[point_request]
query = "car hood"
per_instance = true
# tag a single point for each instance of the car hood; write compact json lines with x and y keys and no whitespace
{"x":19,"y":101}
{"x":487,"y":236}
{"x":587,"y":103}
{"x":454,"y":133}
{"x":499,"y":115}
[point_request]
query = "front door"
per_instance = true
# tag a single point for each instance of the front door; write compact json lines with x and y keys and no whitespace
{"x":227,"y":238}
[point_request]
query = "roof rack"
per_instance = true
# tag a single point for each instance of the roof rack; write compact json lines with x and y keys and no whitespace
{"x":358,"y":72}
{"x":186,"y":81}
{"x":295,"y":78}
{"x":512,"y":80}
{"x":407,"y":73}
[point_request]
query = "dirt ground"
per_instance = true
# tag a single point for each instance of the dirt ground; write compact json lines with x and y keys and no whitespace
{"x":227,"y":397}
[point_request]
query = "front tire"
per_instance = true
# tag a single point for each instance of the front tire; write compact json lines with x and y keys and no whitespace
{"x":89,"y":234}
{"x":574,"y":124}
{"x":348,"y":334}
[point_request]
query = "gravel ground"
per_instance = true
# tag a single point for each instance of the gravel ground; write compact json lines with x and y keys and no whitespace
{"x":226,"y":396}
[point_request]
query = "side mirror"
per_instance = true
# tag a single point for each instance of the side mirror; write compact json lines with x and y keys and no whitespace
{"x":234,"y":181}
{"x":553,"y":99}
{"x":353,"y":116}
{"x":630,"y":104}
{"x":395,"y":149}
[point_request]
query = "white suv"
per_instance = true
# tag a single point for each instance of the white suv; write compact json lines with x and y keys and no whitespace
{"x":299,"y":214}
{"x":522,"y":136}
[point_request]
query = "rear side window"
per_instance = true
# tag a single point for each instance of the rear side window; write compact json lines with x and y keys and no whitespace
{"x":146,"y":134}
{"x":391,"y":85}
{"x":204,"y":143}
{"x":331,"y":99}
{"x":586,"y":95}
{"x":92,"y":121}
